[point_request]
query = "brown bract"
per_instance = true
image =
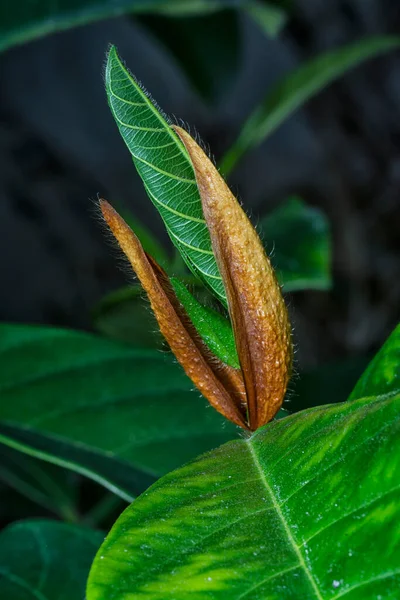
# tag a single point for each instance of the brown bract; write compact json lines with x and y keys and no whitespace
{"x":220,"y":384}
{"x":256,"y":306}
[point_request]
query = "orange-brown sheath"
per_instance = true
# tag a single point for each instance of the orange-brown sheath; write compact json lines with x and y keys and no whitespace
{"x":222,"y":385}
{"x":257,"y":309}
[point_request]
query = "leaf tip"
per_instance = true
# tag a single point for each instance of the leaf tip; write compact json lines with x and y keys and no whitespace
{"x":112,"y":52}
{"x":109,"y":214}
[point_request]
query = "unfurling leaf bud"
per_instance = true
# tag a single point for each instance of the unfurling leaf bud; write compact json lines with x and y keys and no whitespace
{"x":256,"y":306}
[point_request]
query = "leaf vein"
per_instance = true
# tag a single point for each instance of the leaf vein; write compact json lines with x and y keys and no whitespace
{"x":362,"y":583}
{"x":286,"y":527}
{"x":343,"y":517}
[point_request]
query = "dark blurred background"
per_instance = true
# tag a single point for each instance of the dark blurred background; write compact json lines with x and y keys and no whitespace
{"x":60,"y":148}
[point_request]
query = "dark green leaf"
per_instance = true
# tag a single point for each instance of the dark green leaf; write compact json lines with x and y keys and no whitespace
{"x":307,"y":507}
{"x":45,"y":560}
{"x":298,"y":238}
{"x":44,"y":484}
{"x":27,"y":20}
{"x":215,"y":330}
{"x":103,"y":409}
{"x":205,"y":47}
{"x":296,"y":88}
{"x":166,"y":170}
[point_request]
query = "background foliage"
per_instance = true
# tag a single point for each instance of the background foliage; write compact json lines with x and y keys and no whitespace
{"x":78,"y":437}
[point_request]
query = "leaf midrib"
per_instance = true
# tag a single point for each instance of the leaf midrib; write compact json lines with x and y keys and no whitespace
{"x":296,"y":549}
{"x":158,"y":116}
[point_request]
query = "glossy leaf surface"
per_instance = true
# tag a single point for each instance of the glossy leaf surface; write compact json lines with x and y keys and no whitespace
{"x":103,"y":409}
{"x":300,"y":85}
{"x":297,"y":238}
{"x":308,"y":507}
{"x":165,"y":168}
{"x":45,"y":560}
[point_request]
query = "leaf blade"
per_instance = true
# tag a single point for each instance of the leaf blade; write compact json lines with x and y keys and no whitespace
{"x":31,"y":20}
{"x":274,"y":516}
{"x":87,"y":403}
{"x":165,"y":168}
{"x":215,"y":330}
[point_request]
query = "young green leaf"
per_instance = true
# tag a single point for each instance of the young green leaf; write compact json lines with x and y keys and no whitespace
{"x":45,"y":560}
{"x":215,"y":330}
{"x":297,"y":237}
{"x":308,"y":507}
{"x":165,"y":168}
{"x":296,"y":88}
{"x":119,"y":415}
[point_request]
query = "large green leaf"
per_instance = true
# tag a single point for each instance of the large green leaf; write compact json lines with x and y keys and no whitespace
{"x":298,"y":238}
{"x":307,"y":507}
{"x":296,"y":88}
{"x":119,"y":415}
{"x":27,"y":19}
{"x":166,"y":170}
{"x":45,"y":560}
